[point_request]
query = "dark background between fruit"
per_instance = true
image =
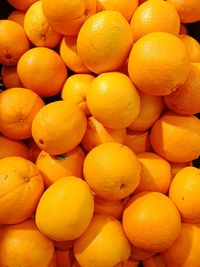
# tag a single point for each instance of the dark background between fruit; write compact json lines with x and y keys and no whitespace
{"x":193,"y":28}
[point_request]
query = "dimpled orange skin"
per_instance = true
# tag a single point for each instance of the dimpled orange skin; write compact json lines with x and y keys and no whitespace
{"x":186,"y":99}
{"x":184,"y":251}
{"x":69,"y":54}
{"x":54,"y":167}
{"x":169,"y":137}
{"x":59,"y":127}
{"x":38,"y":29}
{"x":23,"y":245}
{"x":13,"y":42}
{"x":155,"y":173}
{"x":22,"y":5}
{"x":112,"y":170}
{"x":65,"y":209}
{"x":153,"y":16}
{"x":97,"y":134}
{"x":184,"y":193}
{"x":158,"y":63}
{"x":104,"y":41}
{"x":188,"y":10}
{"x":151,"y":235}
{"x":102,"y":244}
{"x":10,"y":147}
{"x":113,"y":100}
{"x":16,"y":116}
{"x":68,"y":17}
{"x":21,"y":186}
{"x":45,"y":77}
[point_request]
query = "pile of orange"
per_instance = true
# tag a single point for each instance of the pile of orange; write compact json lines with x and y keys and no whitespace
{"x":102,"y":176}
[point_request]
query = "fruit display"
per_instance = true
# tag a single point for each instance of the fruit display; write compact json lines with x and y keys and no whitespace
{"x":99,"y":133}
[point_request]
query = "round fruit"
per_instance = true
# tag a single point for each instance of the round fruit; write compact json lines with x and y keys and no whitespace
{"x":67,"y":17}
{"x":59,"y":127}
{"x":23,"y":245}
{"x":17,"y":16}
{"x":192,"y":46}
{"x":112,"y":170}
{"x":65,"y":209}
{"x":16,"y":116}
{"x":21,"y":186}
{"x":104,"y":41}
{"x":184,"y":193}
{"x":113,"y":100}
{"x":155,"y":16}
{"x":38,"y":29}
{"x":169,"y":137}
{"x":155,"y":234}
{"x":158,"y":63}
{"x":103,"y":243}
{"x":13,"y":42}
{"x":45,"y":77}
{"x":138,"y":141}
{"x":10,"y":77}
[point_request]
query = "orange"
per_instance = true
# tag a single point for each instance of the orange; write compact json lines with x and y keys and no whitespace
{"x":158,"y":63}
{"x":17,"y":16}
{"x":106,"y":47}
{"x":69,"y":194}
{"x":21,"y":4}
{"x":112,"y":170}
{"x":192,"y":46}
{"x":97,"y":134}
{"x":108,"y":207}
{"x":10,"y":147}
{"x":21,"y":186}
{"x":184,"y":193}
{"x":54,"y":167}
{"x":68,"y":17}
{"x":69,"y":54}
{"x":126,"y":7}
{"x":149,"y":234}
{"x":184,"y":251}
{"x":16,"y":116}
{"x":102,"y":244}
{"x":13,"y":42}
{"x":45,"y":77}
{"x":63,"y":258}
{"x":59,"y":127}
{"x":75,"y":90}
{"x":186,"y":99}
{"x":188,"y":10}
{"x":53,"y":261}
{"x":176,"y":167}
{"x":155,"y":16}
{"x":155,"y":174}
{"x":113,"y":100}
{"x":155,"y":261}
{"x":64,"y":245}
{"x":176,"y":138}
{"x":34,"y":150}
{"x":183,"y":29}
{"x":151,"y":108}
{"x":137,"y":141}
{"x":38,"y":29}
{"x":23,"y":245}
{"x":10,"y":77}
{"x":139,"y":254}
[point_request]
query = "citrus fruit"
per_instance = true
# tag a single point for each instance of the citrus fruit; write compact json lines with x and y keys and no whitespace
{"x":137,"y":141}
{"x":10,"y":77}
{"x":17,"y":16}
